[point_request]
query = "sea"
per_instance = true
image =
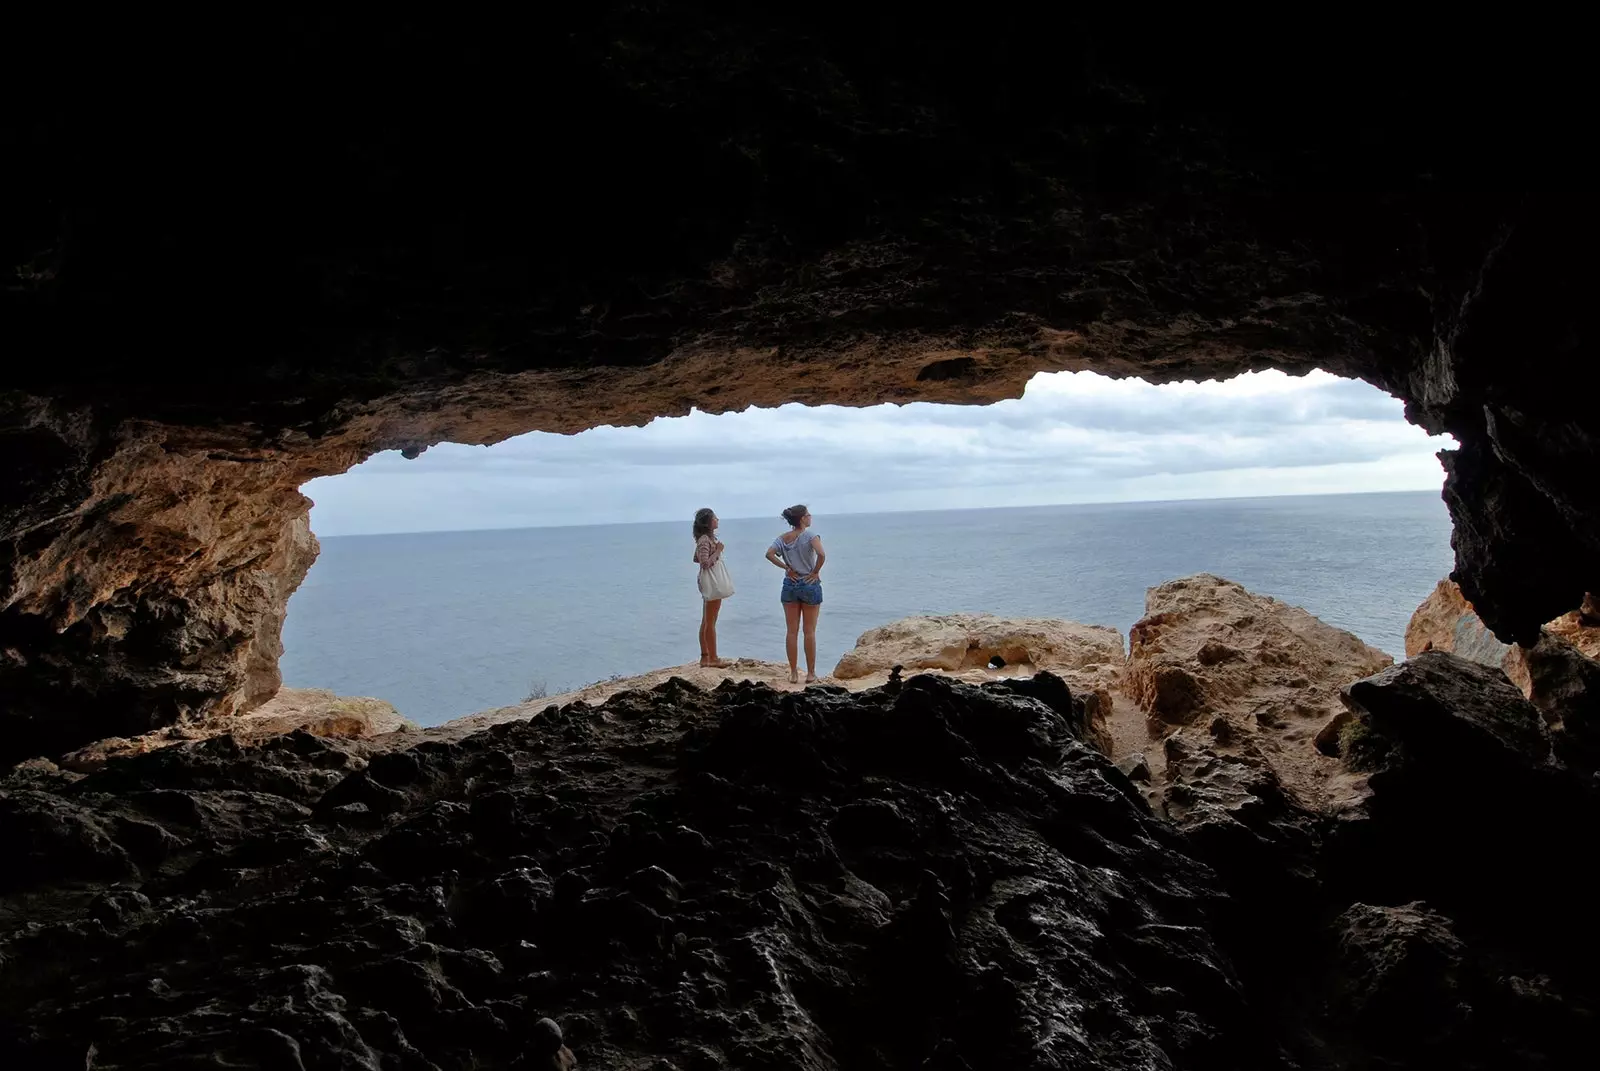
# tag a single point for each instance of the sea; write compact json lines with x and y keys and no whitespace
{"x":443,"y":624}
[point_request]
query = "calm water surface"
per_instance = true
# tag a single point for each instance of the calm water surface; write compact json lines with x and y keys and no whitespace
{"x":445,"y":624}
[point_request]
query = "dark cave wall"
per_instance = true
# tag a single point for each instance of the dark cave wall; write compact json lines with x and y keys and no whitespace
{"x":231,"y":270}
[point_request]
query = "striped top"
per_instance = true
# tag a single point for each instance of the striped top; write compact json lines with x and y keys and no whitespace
{"x":706,"y":553}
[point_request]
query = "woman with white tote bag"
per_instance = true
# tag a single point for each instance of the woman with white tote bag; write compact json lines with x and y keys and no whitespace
{"x":715,"y":584}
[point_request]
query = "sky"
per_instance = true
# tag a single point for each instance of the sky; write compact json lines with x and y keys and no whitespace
{"x":1071,"y":437}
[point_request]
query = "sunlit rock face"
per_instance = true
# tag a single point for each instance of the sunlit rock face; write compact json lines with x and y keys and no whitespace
{"x":359,"y":237}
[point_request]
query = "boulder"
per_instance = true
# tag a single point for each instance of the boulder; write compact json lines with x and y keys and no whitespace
{"x":1403,"y":975}
{"x":1263,"y":677}
{"x":1472,"y":812}
{"x":1135,"y":767}
{"x":954,"y":642}
{"x":1445,"y":705}
{"x":1472,"y":804}
{"x":1087,"y":657}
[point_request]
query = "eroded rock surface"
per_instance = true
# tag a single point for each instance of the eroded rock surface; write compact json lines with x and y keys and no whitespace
{"x":980,"y":646}
{"x":1446,"y":621}
{"x":279,"y":289}
{"x":955,"y":642}
{"x":1404,"y":965}
{"x":1376,"y":934}
{"x":1256,"y":676}
{"x":931,"y":873}
{"x":316,"y":711}
{"x":1580,"y":627}
{"x":1474,"y":812}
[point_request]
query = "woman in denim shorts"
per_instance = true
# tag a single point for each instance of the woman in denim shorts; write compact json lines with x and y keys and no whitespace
{"x":798,"y":552}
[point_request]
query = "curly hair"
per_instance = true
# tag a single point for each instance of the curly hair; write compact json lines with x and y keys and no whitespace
{"x":702,"y":522}
{"x":794,"y":514}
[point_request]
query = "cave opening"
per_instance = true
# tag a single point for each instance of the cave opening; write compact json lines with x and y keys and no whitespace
{"x":236,"y":262}
{"x":463,"y":579}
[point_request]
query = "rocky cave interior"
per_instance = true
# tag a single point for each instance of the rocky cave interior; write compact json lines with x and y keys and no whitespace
{"x":216,"y":297}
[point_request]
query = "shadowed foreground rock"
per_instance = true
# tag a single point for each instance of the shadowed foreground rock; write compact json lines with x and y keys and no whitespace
{"x":734,"y":879}
{"x":926,"y":875}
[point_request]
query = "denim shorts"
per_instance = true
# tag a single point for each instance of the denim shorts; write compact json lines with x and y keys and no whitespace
{"x":801,"y":592}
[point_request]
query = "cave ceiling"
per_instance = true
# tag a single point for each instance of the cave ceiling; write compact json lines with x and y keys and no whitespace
{"x":238,"y":261}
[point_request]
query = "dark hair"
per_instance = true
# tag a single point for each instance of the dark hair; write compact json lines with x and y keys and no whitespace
{"x":702,"y":522}
{"x":794,"y":514}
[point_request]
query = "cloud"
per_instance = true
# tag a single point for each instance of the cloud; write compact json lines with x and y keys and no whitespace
{"x":1072,"y":437}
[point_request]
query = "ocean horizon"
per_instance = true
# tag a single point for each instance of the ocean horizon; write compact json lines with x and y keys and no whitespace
{"x":447,"y":623}
{"x":861,"y":513}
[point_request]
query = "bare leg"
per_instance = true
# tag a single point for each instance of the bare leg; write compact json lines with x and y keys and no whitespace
{"x":791,"y":615}
{"x":811,"y":613}
{"x":713,"y":608}
{"x":705,"y":611}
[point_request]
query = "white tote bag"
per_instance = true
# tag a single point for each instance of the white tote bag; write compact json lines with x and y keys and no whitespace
{"x":715,"y":583}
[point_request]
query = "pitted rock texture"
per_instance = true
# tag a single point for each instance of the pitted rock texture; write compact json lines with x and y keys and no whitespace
{"x":970,"y":641}
{"x":1258,"y":677}
{"x":1377,"y":936}
{"x":1405,"y":966}
{"x":1088,"y":657}
{"x":206,"y":306}
{"x":932,"y":875}
{"x":926,"y":875}
{"x":1474,"y":813}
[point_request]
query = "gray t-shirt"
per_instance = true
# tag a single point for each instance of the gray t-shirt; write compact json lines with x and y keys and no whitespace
{"x":800,"y":555}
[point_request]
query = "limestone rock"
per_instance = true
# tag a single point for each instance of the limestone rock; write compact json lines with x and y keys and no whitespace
{"x":1471,"y":812}
{"x":1087,"y":709}
{"x":1328,"y":739}
{"x":1205,"y":785}
{"x":1448,"y":705}
{"x":699,"y":877}
{"x":754,"y":670}
{"x":1404,"y":978}
{"x":280,"y":576}
{"x":1136,"y":768}
{"x":1088,"y":657}
{"x":1580,"y":627}
{"x":316,"y":711}
{"x":1255,"y":671}
{"x":320,"y":713}
{"x":950,"y":859}
{"x":954,"y":642}
{"x":1446,"y":621}
{"x":1564,"y":684}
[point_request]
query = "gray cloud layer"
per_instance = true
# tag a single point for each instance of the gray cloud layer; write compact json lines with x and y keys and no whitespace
{"x":1070,"y":438}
